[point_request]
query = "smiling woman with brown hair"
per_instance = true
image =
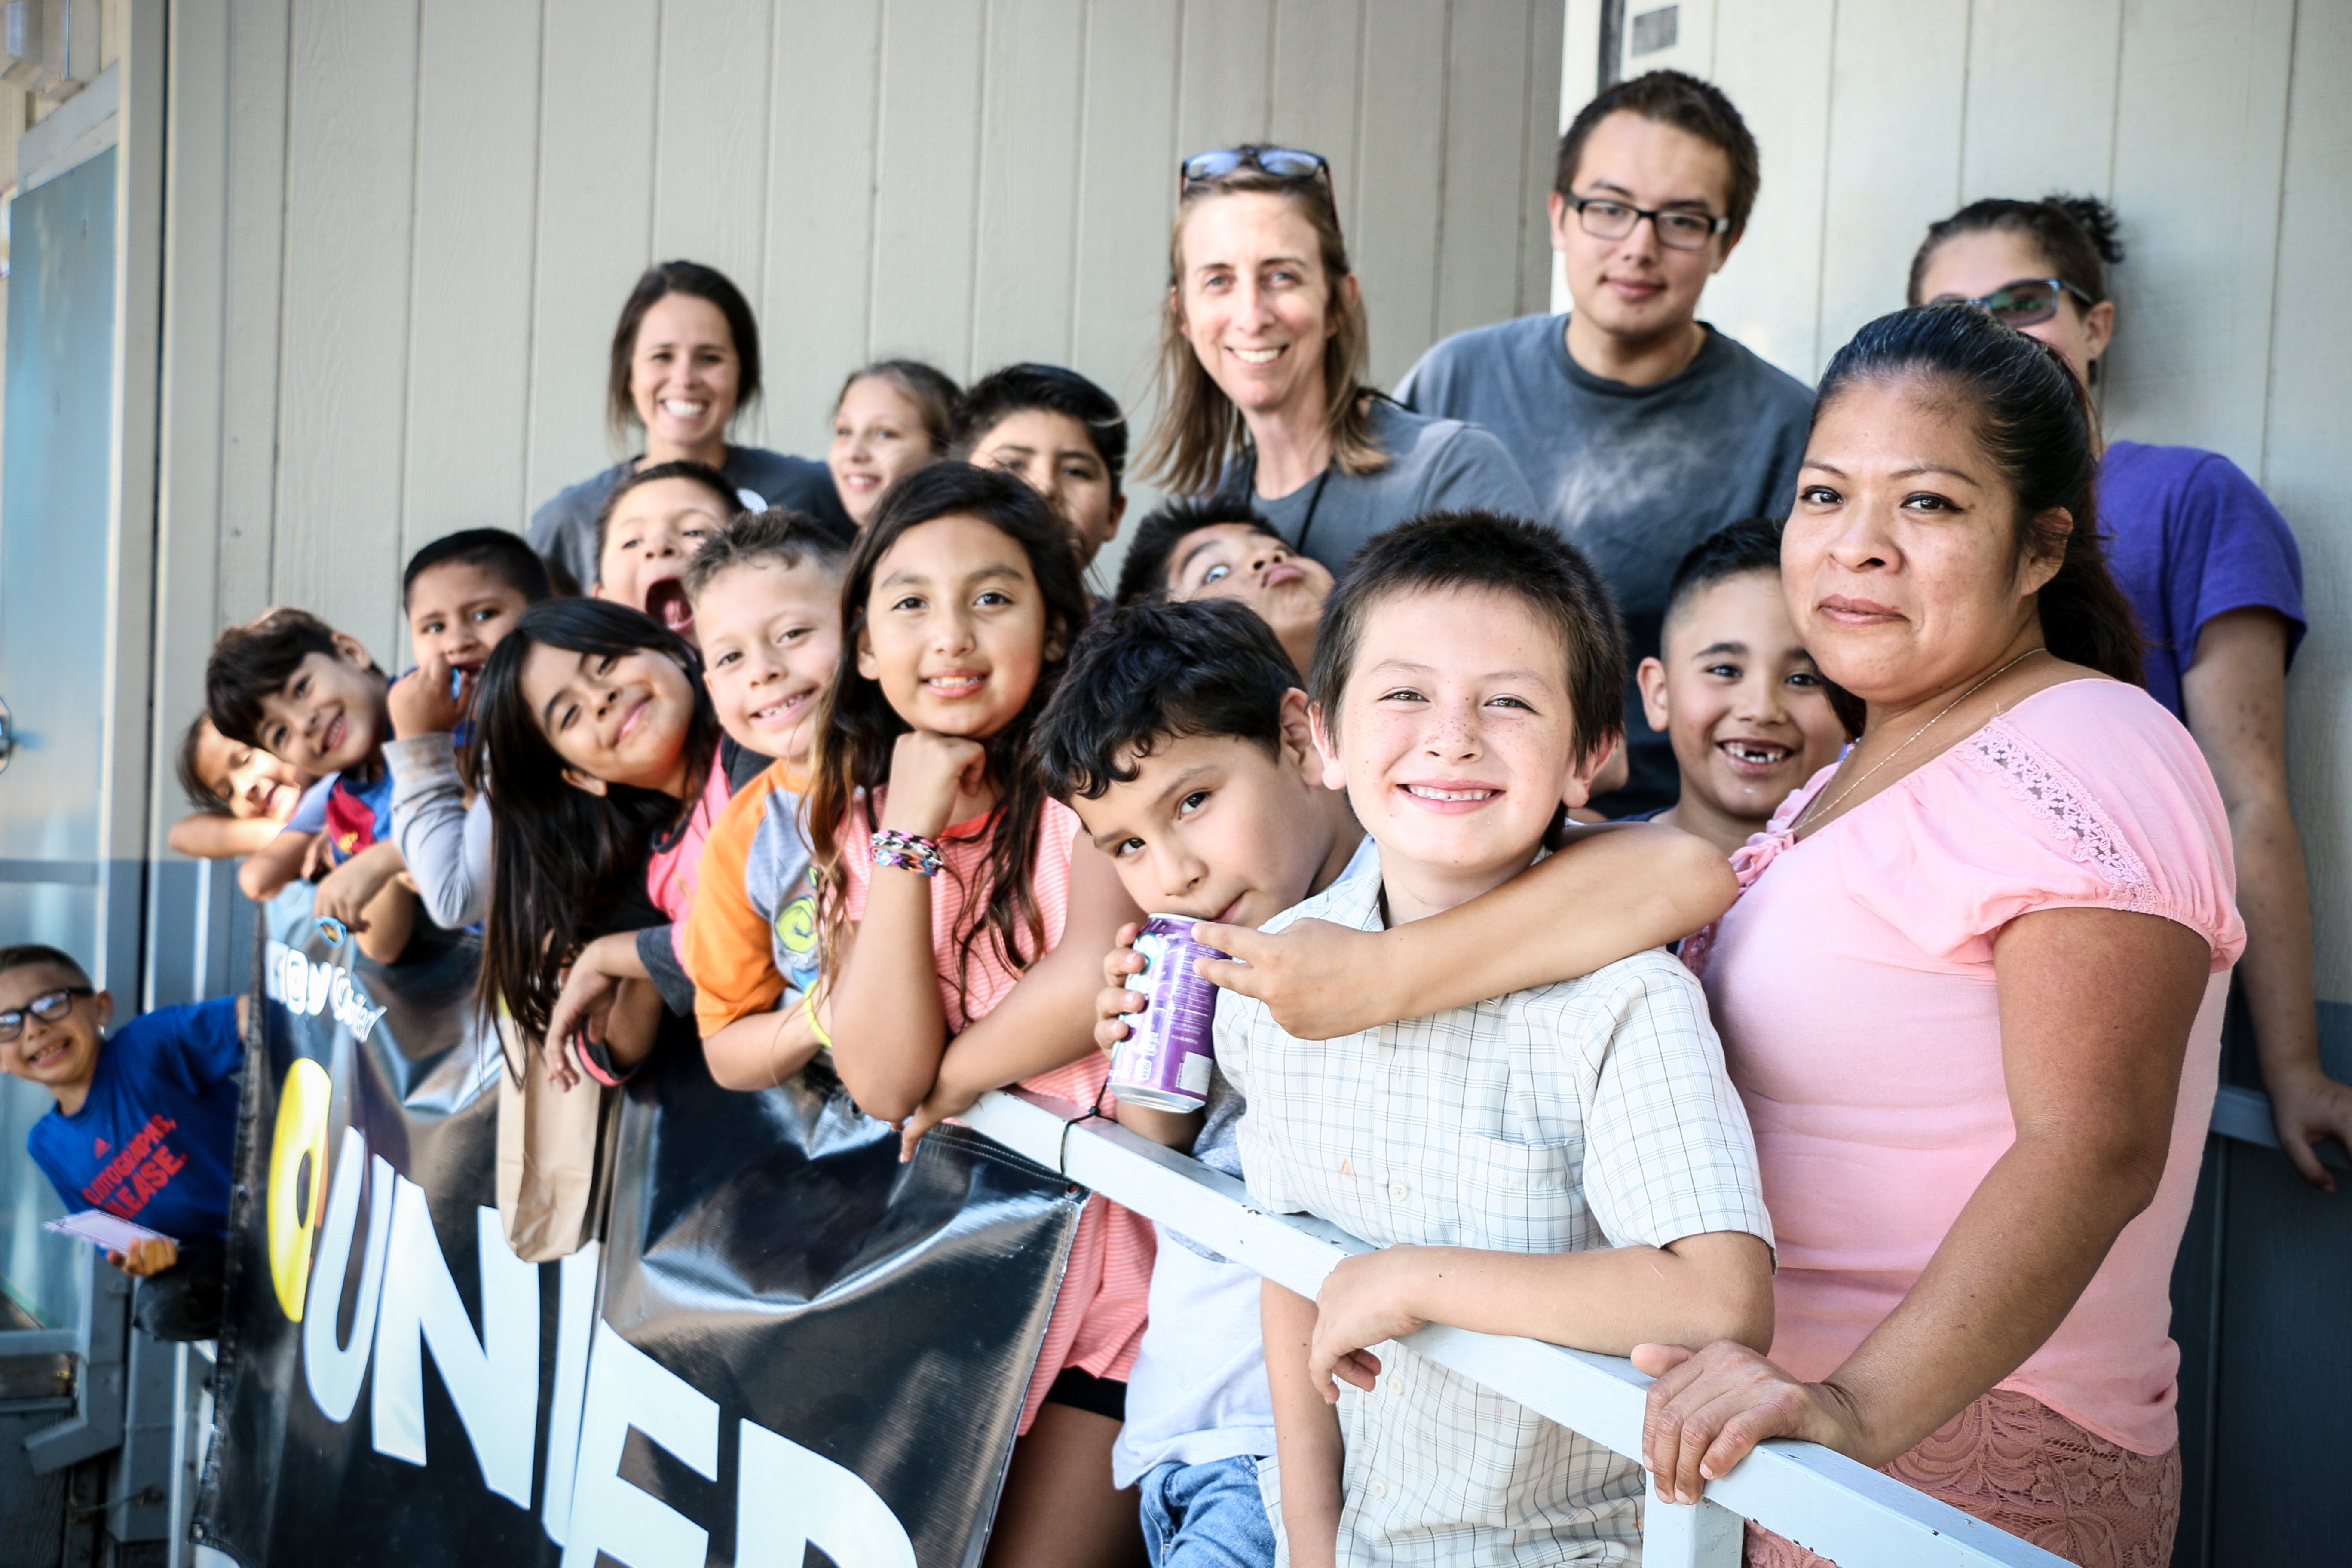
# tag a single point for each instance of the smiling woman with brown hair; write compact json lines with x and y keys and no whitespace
{"x":1263,"y":347}
{"x":1972,"y":993}
{"x":684,"y":362}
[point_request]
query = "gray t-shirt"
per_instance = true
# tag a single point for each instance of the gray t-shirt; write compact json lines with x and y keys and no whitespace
{"x":1435,"y":465}
{"x":563,"y":529}
{"x":1634,"y":475}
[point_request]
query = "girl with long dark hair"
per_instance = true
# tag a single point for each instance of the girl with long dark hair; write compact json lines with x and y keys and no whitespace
{"x":601,"y":758}
{"x":964,"y":918}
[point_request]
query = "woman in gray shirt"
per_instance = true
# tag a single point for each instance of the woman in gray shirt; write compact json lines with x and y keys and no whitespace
{"x":685,"y":360}
{"x":1262,"y":359}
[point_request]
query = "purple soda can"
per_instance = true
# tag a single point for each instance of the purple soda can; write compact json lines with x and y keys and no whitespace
{"x":1164,"y":1060}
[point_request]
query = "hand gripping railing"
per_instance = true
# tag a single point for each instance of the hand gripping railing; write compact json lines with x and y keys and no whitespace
{"x":1846,"y":1511}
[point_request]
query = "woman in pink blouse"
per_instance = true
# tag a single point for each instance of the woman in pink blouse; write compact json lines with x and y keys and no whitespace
{"x":1972,"y":992}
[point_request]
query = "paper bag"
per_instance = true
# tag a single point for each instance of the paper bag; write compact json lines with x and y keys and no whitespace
{"x":553,"y":1149}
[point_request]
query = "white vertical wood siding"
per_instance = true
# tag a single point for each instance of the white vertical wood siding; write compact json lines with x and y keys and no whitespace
{"x":422,"y":216}
{"x":2220,"y":134}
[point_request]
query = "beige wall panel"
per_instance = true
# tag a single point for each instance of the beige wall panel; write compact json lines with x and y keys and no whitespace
{"x":2041,"y":97}
{"x":710,"y":182}
{"x":1394,"y":244}
{"x":352,"y":137}
{"x":1546,"y":28}
{"x":1030,"y":134}
{"x":470,"y":366}
{"x":819,"y":268}
{"x":195,"y":203}
{"x":927,"y":179}
{"x":2307,"y":452}
{"x":254,"y":240}
{"x":1317,"y":52}
{"x":1486,"y":129}
{"x":2198,"y":195}
{"x":1897,"y":67}
{"x":595,"y":214}
{"x":1127,"y":198}
{"x":1222,"y":94}
{"x":1775,"y":63}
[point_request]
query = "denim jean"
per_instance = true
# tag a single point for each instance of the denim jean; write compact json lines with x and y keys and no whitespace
{"x":1206,"y":1516}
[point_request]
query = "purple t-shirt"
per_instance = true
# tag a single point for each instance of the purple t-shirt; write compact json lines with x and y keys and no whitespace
{"x":2191,"y":537}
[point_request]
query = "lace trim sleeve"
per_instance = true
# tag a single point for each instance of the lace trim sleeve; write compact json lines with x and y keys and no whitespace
{"x":2069,"y":811}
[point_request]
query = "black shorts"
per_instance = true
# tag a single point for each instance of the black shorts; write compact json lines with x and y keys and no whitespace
{"x":1085,"y":1391}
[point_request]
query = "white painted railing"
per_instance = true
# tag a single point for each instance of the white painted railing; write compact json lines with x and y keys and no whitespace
{"x":1846,"y":1511}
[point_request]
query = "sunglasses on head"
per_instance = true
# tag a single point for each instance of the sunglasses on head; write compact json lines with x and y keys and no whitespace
{"x":1282,"y":162}
{"x":49,"y":1007}
{"x":2026,"y":302}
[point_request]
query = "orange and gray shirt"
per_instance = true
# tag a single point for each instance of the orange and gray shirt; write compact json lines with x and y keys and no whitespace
{"x":752,"y":940}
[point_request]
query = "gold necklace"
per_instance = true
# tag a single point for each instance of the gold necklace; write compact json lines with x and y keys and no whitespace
{"x":1799,"y":825}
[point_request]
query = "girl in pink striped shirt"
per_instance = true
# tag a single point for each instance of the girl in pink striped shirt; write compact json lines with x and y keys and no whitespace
{"x":949,"y":880}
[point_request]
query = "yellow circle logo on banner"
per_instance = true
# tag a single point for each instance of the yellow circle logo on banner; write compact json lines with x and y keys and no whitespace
{"x":297,"y":1179}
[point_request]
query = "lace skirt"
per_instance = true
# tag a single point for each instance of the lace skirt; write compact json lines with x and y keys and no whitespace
{"x":2014,"y":1462}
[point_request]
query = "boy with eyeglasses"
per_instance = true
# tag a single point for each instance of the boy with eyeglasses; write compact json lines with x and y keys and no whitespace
{"x":1640,"y":428}
{"x":144,"y":1125}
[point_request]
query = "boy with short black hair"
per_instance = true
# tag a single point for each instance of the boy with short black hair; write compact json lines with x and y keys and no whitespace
{"x":144,"y":1125}
{"x":766,"y":592}
{"x":648,"y":529}
{"x":310,"y":695}
{"x":1060,"y":433}
{"x":1222,"y":547}
{"x":1568,"y":1161}
{"x":1179,"y":735}
{"x":1639,"y":427}
{"x":462,"y":593}
{"x":1750,"y":716}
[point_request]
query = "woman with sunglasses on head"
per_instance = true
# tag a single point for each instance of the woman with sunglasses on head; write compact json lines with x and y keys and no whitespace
{"x":2212,"y":572}
{"x":1263,"y":351}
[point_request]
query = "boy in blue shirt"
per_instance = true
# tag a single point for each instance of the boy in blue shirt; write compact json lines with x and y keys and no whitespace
{"x":144,"y":1126}
{"x":310,"y":695}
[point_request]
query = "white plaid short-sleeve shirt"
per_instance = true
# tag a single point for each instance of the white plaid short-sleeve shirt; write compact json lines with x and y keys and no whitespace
{"x":1589,"y":1114}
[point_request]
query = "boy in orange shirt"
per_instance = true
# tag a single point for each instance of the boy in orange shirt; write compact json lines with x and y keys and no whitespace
{"x":765,"y":593}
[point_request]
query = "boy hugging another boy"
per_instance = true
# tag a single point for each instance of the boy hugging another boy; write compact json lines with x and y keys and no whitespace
{"x":1567,"y":1162}
{"x":1179,"y":735}
{"x":765,"y":590}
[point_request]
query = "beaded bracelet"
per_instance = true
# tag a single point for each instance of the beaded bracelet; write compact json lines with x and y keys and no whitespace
{"x":908,"y":852}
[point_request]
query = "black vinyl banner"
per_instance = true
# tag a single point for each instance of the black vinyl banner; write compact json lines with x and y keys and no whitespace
{"x":790,"y":1349}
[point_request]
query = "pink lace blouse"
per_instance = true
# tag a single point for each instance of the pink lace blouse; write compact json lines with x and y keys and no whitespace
{"x":1854,"y":986}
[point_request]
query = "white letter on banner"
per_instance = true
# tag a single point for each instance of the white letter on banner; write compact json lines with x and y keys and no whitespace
{"x":788,"y":1498}
{"x":334,"y":1371}
{"x":493,"y":1381}
{"x":575,"y":1321}
{"x":628,"y":1388}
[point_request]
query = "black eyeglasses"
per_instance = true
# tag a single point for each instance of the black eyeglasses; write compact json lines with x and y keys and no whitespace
{"x":1282,"y":162}
{"x":49,"y":1007}
{"x":2024,"y":302}
{"x":1604,"y":217}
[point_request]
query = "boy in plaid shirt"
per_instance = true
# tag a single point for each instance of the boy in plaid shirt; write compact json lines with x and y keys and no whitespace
{"x":1567,"y":1162}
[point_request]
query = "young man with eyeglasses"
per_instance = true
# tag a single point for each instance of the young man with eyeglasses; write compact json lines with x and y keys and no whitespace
{"x":1640,"y":428}
{"x":144,"y":1126}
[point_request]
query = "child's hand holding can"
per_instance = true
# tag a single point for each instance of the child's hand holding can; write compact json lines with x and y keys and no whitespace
{"x":1115,"y":1001}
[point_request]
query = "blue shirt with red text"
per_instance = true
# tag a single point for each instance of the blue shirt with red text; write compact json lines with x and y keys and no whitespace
{"x":155,"y":1139}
